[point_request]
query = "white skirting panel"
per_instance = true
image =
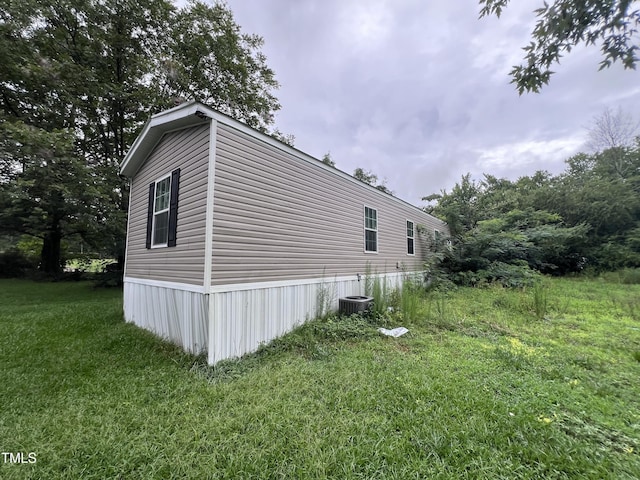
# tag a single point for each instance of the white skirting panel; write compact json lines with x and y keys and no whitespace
{"x":177,"y":315}
{"x":241,"y":320}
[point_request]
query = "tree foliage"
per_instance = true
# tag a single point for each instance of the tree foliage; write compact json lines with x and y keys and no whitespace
{"x":587,"y":216}
{"x":370,"y":179}
{"x":79,"y":79}
{"x":49,"y":193}
{"x":498,"y":233}
{"x":327,"y":160}
{"x":564,"y":24}
{"x":207,"y":57}
{"x":602,"y":190}
{"x":461,"y":208}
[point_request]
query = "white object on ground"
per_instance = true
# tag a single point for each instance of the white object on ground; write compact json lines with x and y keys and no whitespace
{"x":396,"y":332}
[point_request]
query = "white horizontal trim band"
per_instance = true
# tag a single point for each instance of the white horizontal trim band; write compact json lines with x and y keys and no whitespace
{"x":162,"y":284}
{"x":237,"y":287}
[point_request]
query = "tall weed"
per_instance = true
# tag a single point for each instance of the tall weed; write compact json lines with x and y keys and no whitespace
{"x":410,"y":299}
{"x":437,"y":308}
{"x":378,"y":288}
{"x":626,"y":276}
{"x":380,"y":293}
{"x":628,"y":306}
{"x":632,"y":308}
{"x":325,"y":299}
{"x":540,"y":300}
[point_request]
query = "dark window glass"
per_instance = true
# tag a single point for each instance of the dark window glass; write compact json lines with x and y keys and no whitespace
{"x":370,"y":241}
{"x":161,"y":228}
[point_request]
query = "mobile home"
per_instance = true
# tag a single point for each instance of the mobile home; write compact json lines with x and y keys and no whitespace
{"x":233,"y":234}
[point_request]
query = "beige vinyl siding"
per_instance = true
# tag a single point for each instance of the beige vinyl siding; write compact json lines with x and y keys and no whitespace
{"x":280,"y":217}
{"x":188,"y":150}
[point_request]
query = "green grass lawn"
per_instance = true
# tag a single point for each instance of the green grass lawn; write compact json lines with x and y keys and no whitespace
{"x":483,"y":386}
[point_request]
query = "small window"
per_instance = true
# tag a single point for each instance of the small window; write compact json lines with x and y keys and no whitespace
{"x":161,"y":212}
{"x":410,"y":238}
{"x":370,"y":230}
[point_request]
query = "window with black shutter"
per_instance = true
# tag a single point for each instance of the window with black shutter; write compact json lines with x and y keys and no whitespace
{"x":162,"y":215}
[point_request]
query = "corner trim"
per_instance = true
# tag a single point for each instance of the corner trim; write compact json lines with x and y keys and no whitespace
{"x":126,"y":241}
{"x":208,"y":233}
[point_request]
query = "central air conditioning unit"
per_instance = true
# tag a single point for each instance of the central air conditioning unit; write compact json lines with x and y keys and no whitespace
{"x":354,"y":304}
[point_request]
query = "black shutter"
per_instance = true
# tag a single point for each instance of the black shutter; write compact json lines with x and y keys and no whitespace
{"x":152,"y":192}
{"x":173,"y":208}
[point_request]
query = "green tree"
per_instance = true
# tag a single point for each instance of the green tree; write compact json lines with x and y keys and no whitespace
{"x":94,"y":70}
{"x":286,"y":138}
{"x":371,"y":179}
{"x":564,"y":24}
{"x":500,"y":234}
{"x":602,"y":190}
{"x":461,"y":207}
{"x":207,"y":57}
{"x":508,"y":246}
{"x":48,"y":192}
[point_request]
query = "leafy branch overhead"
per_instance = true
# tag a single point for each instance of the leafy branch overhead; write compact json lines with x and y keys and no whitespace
{"x":564,"y":24}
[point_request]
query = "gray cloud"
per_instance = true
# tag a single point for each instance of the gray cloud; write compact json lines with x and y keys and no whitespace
{"x":418,"y":92}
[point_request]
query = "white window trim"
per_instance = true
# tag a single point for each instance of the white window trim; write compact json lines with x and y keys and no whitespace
{"x":412,"y":237}
{"x":154,"y":213}
{"x":365,"y":229}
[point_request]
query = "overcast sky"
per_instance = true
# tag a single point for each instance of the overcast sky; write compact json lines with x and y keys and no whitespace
{"x":418,"y":92}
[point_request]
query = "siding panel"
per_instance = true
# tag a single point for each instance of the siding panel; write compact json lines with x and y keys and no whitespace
{"x":241,"y":320}
{"x":188,"y":150}
{"x":278,"y":217}
{"x":178,"y":316}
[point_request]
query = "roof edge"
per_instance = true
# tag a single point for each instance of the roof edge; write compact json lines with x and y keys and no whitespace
{"x":182,"y":116}
{"x":193,"y":113}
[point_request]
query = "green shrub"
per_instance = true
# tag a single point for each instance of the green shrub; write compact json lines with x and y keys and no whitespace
{"x":517,"y":275}
{"x":15,"y":264}
{"x":31,"y":247}
{"x":108,"y":279}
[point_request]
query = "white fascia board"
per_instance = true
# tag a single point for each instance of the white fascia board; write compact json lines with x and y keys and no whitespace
{"x":134,"y":148}
{"x":176,"y":113}
{"x":182,"y":116}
